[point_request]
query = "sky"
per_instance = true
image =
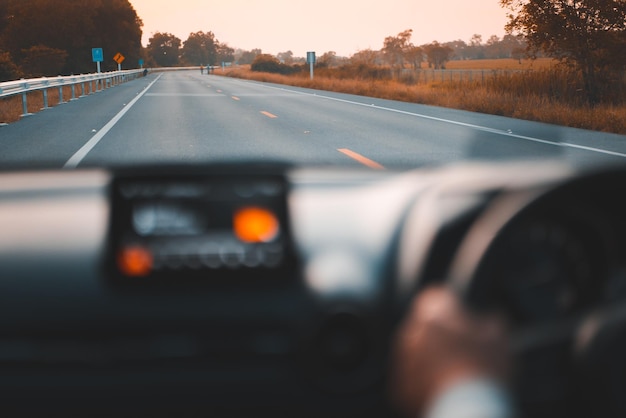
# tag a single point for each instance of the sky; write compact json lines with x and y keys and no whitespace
{"x":343,"y":26}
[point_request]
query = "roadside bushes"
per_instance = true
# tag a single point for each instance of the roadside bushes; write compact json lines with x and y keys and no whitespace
{"x":266,"y":63}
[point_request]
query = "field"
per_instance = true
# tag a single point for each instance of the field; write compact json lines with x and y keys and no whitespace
{"x":542,"y":92}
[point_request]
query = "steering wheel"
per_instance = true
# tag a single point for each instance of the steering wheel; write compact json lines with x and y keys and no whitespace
{"x":545,"y":259}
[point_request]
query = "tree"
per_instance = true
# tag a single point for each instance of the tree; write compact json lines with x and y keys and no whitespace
{"x":224,"y":53}
{"x":327,"y":59}
{"x":366,"y":57}
{"x":200,"y":48}
{"x":395,"y":48}
{"x":437,"y":55}
{"x":246,"y":57}
{"x":587,"y":35}
{"x":164,"y":49}
{"x":476,"y":47}
{"x":415,"y":55}
{"x":460,"y":48}
{"x":285,"y":57}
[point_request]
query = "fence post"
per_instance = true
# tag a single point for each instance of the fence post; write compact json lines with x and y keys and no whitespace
{"x":61,"y":95}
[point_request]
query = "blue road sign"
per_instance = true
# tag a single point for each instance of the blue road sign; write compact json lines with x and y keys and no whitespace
{"x":97,"y":55}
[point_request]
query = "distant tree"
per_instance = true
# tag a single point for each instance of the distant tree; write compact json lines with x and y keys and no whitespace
{"x":224,"y":53}
{"x":164,"y":49}
{"x":199,"y":48}
{"x":285,"y":57}
{"x":327,"y":59}
{"x":476,"y":47}
{"x":366,"y":57}
{"x":396,"y":47}
{"x":437,"y":55}
{"x":414,"y":55}
{"x":494,"y":48}
{"x":514,"y":46}
{"x":460,"y":49}
{"x":587,"y":35}
{"x":246,"y":57}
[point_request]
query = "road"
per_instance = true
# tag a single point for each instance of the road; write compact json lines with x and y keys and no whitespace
{"x":183,"y":117}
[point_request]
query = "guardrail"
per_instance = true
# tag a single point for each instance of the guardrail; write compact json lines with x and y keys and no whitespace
{"x":88,"y":83}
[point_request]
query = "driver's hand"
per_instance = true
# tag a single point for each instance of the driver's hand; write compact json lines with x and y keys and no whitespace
{"x":440,"y":344}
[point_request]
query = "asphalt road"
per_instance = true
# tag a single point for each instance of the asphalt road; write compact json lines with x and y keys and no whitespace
{"x":184,"y":116}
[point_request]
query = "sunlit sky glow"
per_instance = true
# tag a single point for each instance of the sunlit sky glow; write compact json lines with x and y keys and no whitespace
{"x":343,"y":26}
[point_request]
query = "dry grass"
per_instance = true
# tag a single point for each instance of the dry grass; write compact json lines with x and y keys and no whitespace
{"x":545,"y":95}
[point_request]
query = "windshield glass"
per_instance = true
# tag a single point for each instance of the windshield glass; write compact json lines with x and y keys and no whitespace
{"x":364,"y":84}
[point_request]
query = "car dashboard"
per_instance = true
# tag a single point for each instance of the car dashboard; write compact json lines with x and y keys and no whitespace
{"x":245,"y":289}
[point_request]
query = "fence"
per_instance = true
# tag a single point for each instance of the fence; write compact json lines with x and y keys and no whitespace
{"x":86,"y":83}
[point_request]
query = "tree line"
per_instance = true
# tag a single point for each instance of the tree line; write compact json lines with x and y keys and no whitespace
{"x":397,"y":53}
{"x":200,"y":48}
{"x":52,"y":37}
{"x":55,"y":37}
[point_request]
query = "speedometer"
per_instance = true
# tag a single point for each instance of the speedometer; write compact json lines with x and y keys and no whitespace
{"x":544,"y":268}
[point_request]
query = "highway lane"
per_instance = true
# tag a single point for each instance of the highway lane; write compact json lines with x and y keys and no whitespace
{"x":186,"y":117}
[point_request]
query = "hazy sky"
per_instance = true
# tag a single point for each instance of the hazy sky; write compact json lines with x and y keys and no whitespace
{"x":343,"y":26}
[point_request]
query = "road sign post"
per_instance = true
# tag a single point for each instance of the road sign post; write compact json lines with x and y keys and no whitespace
{"x":310,"y":59}
{"x":97,"y":56}
{"x":119,"y":58}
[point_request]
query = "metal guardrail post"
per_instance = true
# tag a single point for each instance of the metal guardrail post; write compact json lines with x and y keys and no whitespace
{"x":24,"y":105}
{"x":45,"y":98}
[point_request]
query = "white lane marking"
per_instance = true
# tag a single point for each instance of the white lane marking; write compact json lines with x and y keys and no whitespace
{"x":184,"y":95}
{"x":84,"y":150}
{"x":452,"y":122}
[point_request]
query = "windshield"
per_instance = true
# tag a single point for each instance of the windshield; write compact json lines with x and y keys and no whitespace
{"x":358,"y":84}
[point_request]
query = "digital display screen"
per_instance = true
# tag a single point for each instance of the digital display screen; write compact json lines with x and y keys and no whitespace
{"x":164,"y":228}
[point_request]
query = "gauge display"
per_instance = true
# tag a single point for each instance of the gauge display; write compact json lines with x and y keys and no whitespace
{"x":545,"y":269}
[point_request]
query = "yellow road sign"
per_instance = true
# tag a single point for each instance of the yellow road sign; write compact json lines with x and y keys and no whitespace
{"x":118,"y":58}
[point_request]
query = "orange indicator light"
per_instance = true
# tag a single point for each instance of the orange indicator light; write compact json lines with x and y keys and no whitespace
{"x":255,"y":224}
{"x":135,"y":261}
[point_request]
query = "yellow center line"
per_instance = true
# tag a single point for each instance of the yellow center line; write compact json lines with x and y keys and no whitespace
{"x":235,"y":98}
{"x":363,"y":160}
{"x":268,"y":114}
